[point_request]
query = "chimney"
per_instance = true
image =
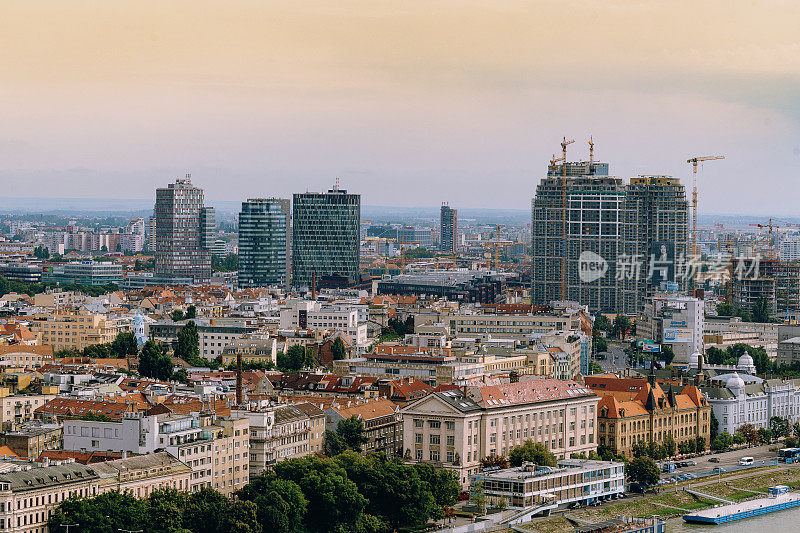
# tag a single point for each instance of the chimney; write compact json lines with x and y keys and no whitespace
{"x":238,"y":379}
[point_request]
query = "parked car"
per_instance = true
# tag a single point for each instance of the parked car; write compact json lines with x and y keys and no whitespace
{"x":691,"y":463}
{"x":717,"y":470}
{"x":714,"y":460}
{"x":463,"y":496}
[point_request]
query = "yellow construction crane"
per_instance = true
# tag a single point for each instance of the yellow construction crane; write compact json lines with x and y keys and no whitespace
{"x":564,"y":144}
{"x":694,"y":161}
{"x":403,"y":254}
{"x":591,"y":151}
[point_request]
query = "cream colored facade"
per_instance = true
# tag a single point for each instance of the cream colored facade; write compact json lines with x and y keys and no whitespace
{"x":231,"y":455}
{"x":518,"y":327}
{"x":455,"y":431}
{"x":20,"y":408}
{"x":74,"y":329}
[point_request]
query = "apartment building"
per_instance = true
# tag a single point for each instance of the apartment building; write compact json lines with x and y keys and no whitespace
{"x":455,"y":429}
{"x":213,"y":335}
{"x":382,"y":424}
{"x":277,"y":433}
{"x":74,"y":330}
{"x":231,"y":457}
{"x":315,"y":315}
{"x":434,"y":370}
{"x":316,"y":416}
{"x":19,"y":408}
{"x":252,"y":350}
{"x":25,"y":356}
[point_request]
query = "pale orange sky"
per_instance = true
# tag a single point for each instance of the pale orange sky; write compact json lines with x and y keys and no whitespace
{"x":410,"y":103}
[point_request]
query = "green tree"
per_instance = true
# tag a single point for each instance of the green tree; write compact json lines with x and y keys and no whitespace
{"x":602,"y":323}
{"x":713,"y":426}
{"x":498,"y":461}
{"x":760,"y":310}
{"x":165,"y":510}
{"x":723,"y":441}
{"x":643,"y":470}
{"x":241,"y":517}
{"x":177,"y":315}
{"x":334,"y":445}
{"x":780,"y":427}
{"x":351,"y":431}
{"x":397,"y":493}
{"x":622,"y":325}
{"x":124,"y":344}
{"x":293,"y":360}
{"x":206,"y":511}
{"x":667,"y":354}
{"x":154,"y":361}
{"x":600,"y":344}
{"x":443,"y":482}
{"x":97,"y":351}
{"x":188,"y":345}
{"x":191,"y":312}
{"x":335,"y":499}
{"x":532,"y":452}
{"x":105,"y":513}
{"x":766,"y":435}
{"x":281,"y":505}
{"x":669,"y":446}
{"x":338,"y":349}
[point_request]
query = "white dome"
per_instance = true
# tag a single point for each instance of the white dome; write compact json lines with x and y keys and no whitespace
{"x":745,"y":360}
{"x":735,"y":382}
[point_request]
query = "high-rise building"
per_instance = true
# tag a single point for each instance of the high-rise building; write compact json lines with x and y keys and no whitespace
{"x":586,"y":231}
{"x":264,"y":236}
{"x":448,"y":229}
{"x":617,"y":241}
{"x":325,"y":237}
{"x":183,"y":225}
{"x":656,"y":230}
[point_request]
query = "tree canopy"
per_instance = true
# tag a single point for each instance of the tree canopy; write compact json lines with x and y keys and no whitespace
{"x":643,"y":470}
{"x":532,"y":452}
{"x":154,"y":361}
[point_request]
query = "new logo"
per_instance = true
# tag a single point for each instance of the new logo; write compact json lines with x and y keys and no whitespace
{"x":591,"y":266}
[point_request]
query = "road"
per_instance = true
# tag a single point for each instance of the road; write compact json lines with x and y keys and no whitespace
{"x":615,"y":360}
{"x":726,"y":460}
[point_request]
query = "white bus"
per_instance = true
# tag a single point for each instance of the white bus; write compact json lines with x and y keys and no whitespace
{"x":744,"y":461}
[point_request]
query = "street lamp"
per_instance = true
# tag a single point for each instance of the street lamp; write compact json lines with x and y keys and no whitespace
{"x":67,"y":526}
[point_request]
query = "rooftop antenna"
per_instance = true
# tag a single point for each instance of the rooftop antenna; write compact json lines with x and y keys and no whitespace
{"x":591,"y":150}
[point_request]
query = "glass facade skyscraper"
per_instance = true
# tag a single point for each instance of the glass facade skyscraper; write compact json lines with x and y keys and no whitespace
{"x":264,"y":237}
{"x":325,"y":237}
{"x":448,"y":229}
{"x":181,"y":226}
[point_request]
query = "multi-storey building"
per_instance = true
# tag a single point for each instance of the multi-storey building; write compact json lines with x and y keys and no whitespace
{"x":460,"y":285}
{"x":674,"y":320}
{"x":214,"y":334}
{"x":572,"y":480}
{"x":75,"y":330}
{"x":448,"y":229}
{"x":264,"y":242}
{"x":325,"y":238}
{"x":314,"y":315}
{"x":615,"y":242}
{"x":638,"y":411}
{"x":656,"y":232}
{"x":456,"y":429}
{"x":277,"y":433}
{"x":382,"y":424}
{"x":85,"y":273}
{"x":182,"y":232}
{"x":231,"y":468}
{"x":518,"y":327}
{"x":252,"y":350}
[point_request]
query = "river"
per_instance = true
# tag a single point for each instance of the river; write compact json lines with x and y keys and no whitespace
{"x":777,"y":522}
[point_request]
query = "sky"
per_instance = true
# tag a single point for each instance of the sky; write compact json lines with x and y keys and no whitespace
{"x":410,"y":103}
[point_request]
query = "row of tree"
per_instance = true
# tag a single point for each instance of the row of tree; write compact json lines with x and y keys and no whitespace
{"x":758,"y":313}
{"x":748,"y":434}
{"x":346,"y":493}
{"x":123,"y":345}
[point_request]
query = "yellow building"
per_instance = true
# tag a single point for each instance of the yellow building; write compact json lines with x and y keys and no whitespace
{"x":637,"y":410}
{"x":74,"y":329}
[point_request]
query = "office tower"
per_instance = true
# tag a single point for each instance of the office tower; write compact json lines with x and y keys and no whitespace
{"x":587,"y":240}
{"x":208,"y":227}
{"x":656,"y":230}
{"x":151,"y":234}
{"x":264,"y":236}
{"x":325,"y":238}
{"x":448,"y":229}
{"x":182,"y":229}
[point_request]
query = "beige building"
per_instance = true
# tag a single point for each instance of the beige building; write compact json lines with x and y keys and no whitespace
{"x":277,"y":433}
{"x":251,"y":350}
{"x":74,"y":329}
{"x":382,"y":424}
{"x":518,"y":327}
{"x":316,"y":416}
{"x":456,"y":429}
{"x":231,"y":454}
{"x":20,"y":408}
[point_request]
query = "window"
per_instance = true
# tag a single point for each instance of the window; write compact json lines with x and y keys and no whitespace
{"x":451,"y":440}
{"x":450,"y":425}
{"x":434,"y":439}
{"x":434,"y":424}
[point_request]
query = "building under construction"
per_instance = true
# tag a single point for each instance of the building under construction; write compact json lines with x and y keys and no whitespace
{"x":778,"y":282}
{"x":612,"y":234}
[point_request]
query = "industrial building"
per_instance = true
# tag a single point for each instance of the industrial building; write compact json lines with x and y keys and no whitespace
{"x":482,"y":286}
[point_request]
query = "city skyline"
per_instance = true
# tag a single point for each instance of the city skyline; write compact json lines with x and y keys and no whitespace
{"x":396,"y":100}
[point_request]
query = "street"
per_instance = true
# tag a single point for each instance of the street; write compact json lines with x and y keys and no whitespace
{"x":615,"y":359}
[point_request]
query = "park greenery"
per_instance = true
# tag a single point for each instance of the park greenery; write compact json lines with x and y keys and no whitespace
{"x":345,"y":493}
{"x":643,"y":470}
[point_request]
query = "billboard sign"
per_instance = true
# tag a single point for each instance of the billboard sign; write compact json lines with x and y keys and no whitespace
{"x":674,"y":334}
{"x":651,"y":348}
